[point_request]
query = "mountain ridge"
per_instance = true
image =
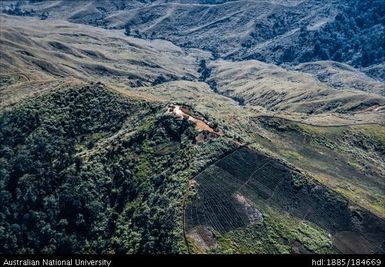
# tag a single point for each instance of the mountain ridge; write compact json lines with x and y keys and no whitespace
{"x":268,"y":37}
{"x":119,"y":136}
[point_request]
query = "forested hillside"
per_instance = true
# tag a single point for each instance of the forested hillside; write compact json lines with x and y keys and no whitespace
{"x":62,"y":190}
{"x":354,"y":36}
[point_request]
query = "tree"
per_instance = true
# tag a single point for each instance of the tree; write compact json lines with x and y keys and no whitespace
{"x":127,"y":29}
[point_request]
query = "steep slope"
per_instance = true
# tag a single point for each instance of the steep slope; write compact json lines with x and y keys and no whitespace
{"x":342,"y":76}
{"x":39,"y":51}
{"x":35,"y":55}
{"x":282,"y":32}
{"x":260,"y":84}
{"x":41,"y":55}
{"x":158,"y":148}
{"x":246,"y":200}
{"x":86,"y":170}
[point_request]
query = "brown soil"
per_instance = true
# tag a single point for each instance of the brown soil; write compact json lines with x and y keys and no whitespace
{"x":201,"y":125}
{"x":203,"y":237}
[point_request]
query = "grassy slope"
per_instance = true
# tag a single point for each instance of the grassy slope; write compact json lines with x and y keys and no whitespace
{"x":300,"y":215}
{"x":283,"y":32}
{"x":349,"y":159}
{"x":214,"y":206}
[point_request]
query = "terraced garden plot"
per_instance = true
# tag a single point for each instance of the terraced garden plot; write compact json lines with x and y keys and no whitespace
{"x":215,"y":206}
{"x":349,"y":242}
{"x":266,"y":182}
{"x":242,"y":164}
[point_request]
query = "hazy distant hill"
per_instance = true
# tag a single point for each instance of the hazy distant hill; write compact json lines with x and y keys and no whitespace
{"x":280,"y":32}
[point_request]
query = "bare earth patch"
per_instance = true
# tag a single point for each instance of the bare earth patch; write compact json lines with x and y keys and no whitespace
{"x":201,"y":124}
{"x":254,"y":215}
{"x":203,"y":237}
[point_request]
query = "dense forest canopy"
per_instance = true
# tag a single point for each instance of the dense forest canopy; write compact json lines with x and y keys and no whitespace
{"x":56,"y":198}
